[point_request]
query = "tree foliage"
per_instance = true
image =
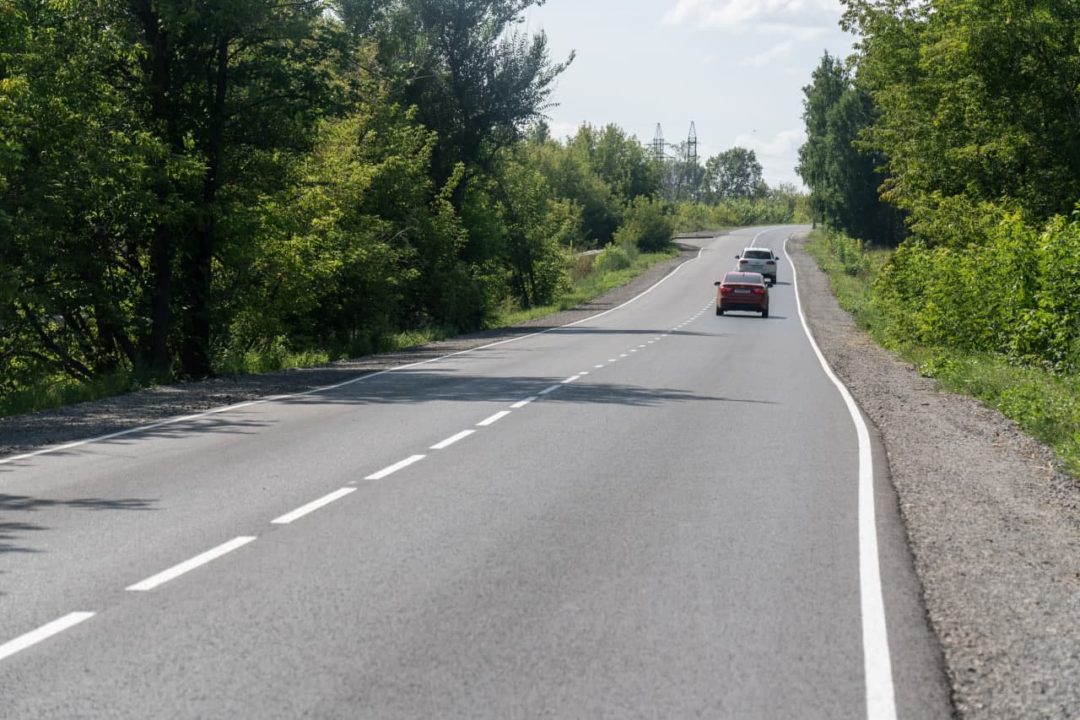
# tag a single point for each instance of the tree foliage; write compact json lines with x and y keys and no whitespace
{"x":184,"y":184}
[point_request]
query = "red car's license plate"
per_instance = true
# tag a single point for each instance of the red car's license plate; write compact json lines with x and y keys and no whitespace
{"x":742,"y":291}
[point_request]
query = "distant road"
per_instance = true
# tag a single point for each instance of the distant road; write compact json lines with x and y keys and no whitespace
{"x":652,"y":514}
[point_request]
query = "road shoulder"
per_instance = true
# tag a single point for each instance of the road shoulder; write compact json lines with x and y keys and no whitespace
{"x":34,"y":431}
{"x":993,"y":524}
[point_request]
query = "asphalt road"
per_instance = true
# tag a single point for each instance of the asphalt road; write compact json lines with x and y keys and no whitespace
{"x":655,"y":514}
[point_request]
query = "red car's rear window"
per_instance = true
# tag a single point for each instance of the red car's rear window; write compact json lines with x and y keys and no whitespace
{"x":744,"y":278}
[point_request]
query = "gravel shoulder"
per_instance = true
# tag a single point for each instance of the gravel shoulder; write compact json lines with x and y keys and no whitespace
{"x":993,"y":523}
{"x":33,"y":431}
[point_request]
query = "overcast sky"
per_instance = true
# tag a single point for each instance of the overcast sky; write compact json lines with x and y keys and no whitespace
{"x":734,"y":67}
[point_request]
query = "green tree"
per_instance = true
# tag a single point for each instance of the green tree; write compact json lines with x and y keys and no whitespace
{"x":734,"y":173}
{"x":841,"y":172}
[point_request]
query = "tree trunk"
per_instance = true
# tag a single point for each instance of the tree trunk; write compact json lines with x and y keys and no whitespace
{"x":195,"y":354}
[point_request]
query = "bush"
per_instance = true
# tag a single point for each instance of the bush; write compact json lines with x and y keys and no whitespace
{"x":614,"y":257}
{"x":646,"y":226}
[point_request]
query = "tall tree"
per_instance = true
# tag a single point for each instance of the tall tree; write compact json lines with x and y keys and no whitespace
{"x":979,"y":100}
{"x":841,"y":171}
{"x":734,"y":174}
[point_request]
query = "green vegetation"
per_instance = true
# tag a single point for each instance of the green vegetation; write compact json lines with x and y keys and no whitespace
{"x":1042,"y":399}
{"x":191,"y":189}
{"x":951,"y":136}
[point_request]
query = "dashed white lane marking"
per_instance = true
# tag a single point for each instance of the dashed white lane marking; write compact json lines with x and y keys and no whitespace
{"x":493,"y":419}
{"x":386,"y":471}
{"x":613,"y":360}
{"x":598,"y":367}
{"x":452,"y":439}
{"x":877,"y":662}
{"x":188,"y":565}
{"x":312,"y":506}
{"x":624,"y":355}
{"x":548,"y":391}
{"x":633,"y":350}
{"x":522,"y":403}
{"x":583,"y":373}
{"x":572,"y":378}
{"x":43,"y":633}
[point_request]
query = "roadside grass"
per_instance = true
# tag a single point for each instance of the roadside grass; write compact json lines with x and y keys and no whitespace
{"x":585,"y":285}
{"x":586,"y":282}
{"x":1044,"y":404}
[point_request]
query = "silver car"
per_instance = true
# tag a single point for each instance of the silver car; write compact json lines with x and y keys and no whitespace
{"x":759,"y":260}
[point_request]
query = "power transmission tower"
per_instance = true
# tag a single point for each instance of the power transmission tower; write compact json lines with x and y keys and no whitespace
{"x":691,"y":145}
{"x":658,"y":146}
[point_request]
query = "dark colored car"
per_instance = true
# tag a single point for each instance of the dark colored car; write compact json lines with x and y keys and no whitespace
{"x":742,"y":291}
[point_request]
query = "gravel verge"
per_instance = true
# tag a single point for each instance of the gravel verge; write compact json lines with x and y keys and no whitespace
{"x":993,"y":523}
{"x":26,"y":433}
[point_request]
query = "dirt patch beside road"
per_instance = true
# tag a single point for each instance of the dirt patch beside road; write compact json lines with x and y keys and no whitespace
{"x":994,"y":524}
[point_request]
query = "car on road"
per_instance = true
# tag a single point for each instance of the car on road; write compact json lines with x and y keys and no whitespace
{"x":742,"y":291}
{"x":759,"y":260}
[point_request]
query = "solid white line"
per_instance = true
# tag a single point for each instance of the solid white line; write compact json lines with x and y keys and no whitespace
{"x":43,"y":633}
{"x":188,"y":565}
{"x":877,"y":663}
{"x":312,"y":506}
{"x":493,"y":419}
{"x":453,"y":439}
{"x":522,"y":403}
{"x":573,"y":378}
{"x":395,"y":467}
{"x":337,"y":386}
{"x":548,"y":391}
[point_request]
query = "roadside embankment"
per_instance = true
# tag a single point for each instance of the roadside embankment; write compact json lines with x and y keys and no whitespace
{"x":994,"y":523}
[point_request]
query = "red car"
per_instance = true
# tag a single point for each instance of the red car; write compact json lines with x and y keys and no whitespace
{"x":742,"y":291}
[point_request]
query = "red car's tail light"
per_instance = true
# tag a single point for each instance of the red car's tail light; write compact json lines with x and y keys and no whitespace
{"x":725,"y":290}
{"x":759,"y":291}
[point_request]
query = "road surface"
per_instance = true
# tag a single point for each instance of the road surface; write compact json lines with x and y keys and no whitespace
{"x":652,"y":514}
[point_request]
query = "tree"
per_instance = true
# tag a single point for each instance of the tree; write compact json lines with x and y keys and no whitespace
{"x":841,"y":172}
{"x":978,"y":101}
{"x":734,"y":173}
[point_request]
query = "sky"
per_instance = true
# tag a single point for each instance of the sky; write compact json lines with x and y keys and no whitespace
{"x":736,"y":68}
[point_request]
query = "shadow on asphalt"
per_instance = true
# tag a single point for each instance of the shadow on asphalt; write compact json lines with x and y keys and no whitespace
{"x":12,"y":532}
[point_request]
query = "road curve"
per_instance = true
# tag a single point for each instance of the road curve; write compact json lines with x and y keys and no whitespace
{"x":653,"y":513}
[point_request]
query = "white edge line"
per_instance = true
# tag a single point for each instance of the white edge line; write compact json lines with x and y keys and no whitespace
{"x":493,"y":419}
{"x":337,"y":386}
{"x":452,"y":439}
{"x":880,"y":693}
{"x":43,"y":633}
{"x":522,"y":403}
{"x":188,"y":565}
{"x":386,"y":471}
{"x":312,"y":506}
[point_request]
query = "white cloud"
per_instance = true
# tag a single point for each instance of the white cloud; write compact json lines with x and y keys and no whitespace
{"x":776,"y":52}
{"x":737,"y":13}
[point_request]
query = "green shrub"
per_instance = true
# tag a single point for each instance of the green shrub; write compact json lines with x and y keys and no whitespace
{"x":646,"y":226}
{"x":614,"y":257}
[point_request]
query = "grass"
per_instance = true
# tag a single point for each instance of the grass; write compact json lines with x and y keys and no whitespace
{"x":585,"y":284}
{"x":1044,"y":404}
